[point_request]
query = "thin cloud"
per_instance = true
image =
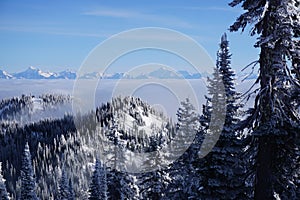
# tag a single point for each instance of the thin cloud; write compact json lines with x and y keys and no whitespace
{"x":213,"y":8}
{"x":117,"y":13}
{"x":111,"y":13}
{"x":51,"y":32}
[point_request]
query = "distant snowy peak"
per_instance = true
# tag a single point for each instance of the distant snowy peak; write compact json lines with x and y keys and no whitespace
{"x":159,"y":73}
{"x":5,"y":75}
{"x":163,"y":73}
{"x":33,"y":73}
{"x":92,"y":75}
{"x":68,"y":74}
{"x":166,"y":73}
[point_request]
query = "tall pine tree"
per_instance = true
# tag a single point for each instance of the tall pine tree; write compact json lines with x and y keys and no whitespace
{"x":222,"y":173}
{"x":27,"y":176}
{"x":274,"y":120}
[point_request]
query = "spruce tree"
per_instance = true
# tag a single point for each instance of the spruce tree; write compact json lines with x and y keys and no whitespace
{"x":274,"y":120}
{"x":222,"y":173}
{"x":98,"y":186}
{"x":228,"y":79}
{"x":27,"y":176}
{"x":183,"y":151}
{"x":3,"y":191}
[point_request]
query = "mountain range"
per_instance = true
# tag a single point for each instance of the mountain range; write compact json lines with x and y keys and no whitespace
{"x":160,"y":73}
{"x":35,"y":73}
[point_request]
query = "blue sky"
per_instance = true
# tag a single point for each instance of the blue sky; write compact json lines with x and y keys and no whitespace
{"x":55,"y":35}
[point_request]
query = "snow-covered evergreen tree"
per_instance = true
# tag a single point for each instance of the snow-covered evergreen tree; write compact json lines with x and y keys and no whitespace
{"x":27,"y":176}
{"x":128,"y":187}
{"x":274,"y":120}
{"x":228,"y":78}
{"x":181,"y":171}
{"x":153,"y":181}
{"x":3,"y":191}
{"x":71,"y":191}
{"x":214,"y":112}
{"x":64,"y":186}
{"x":187,"y":127}
{"x":222,"y":172}
{"x":152,"y":184}
{"x":98,"y":186}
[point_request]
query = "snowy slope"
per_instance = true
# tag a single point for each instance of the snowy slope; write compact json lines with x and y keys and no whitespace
{"x":5,"y":75}
{"x":151,"y":123}
{"x":131,"y":115}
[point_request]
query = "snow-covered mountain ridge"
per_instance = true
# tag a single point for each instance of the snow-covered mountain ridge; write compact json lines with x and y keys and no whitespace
{"x":35,"y":73}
